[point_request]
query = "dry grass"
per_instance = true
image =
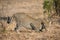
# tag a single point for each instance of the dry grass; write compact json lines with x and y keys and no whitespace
{"x":52,"y":33}
{"x":30,"y":7}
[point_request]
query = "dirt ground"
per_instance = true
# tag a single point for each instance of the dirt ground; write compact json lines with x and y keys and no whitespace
{"x":52,"y":33}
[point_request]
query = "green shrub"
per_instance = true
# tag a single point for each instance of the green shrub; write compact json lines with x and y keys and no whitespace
{"x":47,"y":6}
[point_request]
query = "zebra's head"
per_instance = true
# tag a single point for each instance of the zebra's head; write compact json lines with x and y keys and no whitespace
{"x":9,"y":19}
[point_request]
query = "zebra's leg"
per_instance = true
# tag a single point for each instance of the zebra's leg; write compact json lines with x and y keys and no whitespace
{"x":16,"y":28}
{"x":42,"y":27}
{"x":32,"y":26}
